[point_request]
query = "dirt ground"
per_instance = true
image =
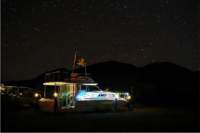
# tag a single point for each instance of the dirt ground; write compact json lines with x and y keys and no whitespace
{"x":144,"y":119}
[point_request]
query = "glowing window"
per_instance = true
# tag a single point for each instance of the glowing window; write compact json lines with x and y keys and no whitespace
{"x":102,"y":95}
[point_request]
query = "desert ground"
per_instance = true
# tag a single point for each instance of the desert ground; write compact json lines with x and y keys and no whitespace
{"x":145,"y":119}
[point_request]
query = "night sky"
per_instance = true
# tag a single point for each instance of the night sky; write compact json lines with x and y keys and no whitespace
{"x":42,"y":35}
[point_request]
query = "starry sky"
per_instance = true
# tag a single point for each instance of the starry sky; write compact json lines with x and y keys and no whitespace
{"x":42,"y":35}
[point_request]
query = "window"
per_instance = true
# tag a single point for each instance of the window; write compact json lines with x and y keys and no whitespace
{"x":90,"y":88}
{"x":83,"y":87}
{"x":102,"y":95}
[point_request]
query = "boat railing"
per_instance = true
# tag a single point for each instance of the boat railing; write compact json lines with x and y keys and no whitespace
{"x":63,"y":76}
{"x":84,"y":74}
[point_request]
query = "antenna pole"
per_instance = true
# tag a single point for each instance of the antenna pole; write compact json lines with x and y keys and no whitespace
{"x":74,"y":61}
{"x":85,"y":71}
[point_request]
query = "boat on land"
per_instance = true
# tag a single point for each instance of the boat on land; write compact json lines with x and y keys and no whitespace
{"x":77,"y":93}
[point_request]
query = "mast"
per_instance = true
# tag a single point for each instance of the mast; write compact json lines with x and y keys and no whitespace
{"x":74,"y":61}
{"x":85,"y":70}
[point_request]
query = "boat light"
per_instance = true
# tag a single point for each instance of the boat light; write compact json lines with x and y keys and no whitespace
{"x":55,"y":94}
{"x":117,"y":95}
{"x":129,"y":97}
{"x":36,"y":94}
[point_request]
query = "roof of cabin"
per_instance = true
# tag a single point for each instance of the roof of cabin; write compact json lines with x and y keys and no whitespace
{"x":59,"y":83}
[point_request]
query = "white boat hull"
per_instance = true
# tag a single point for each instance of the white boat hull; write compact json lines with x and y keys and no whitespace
{"x":47,"y":105}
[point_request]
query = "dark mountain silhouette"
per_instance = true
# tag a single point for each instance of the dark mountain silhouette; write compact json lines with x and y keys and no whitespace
{"x":170,"y":83}
{"x":161,"y":83}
